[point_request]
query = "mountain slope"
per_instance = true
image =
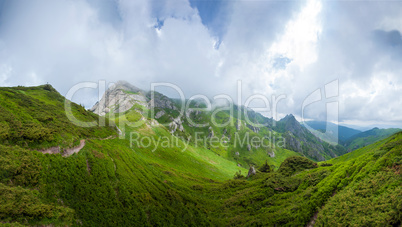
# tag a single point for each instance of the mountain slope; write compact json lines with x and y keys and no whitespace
{"x":35,"y":117}
{"x":96,"y":185}
{"x":233,"y":126}
{"x":120,"y":98}
{"x":368,"y":137}
{"x":344,"y":133}
{"x":196,"y":126}
{"x":363,"y":190}
{"x":300,"y":139}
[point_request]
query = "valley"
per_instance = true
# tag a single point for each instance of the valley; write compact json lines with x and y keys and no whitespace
{"x":122,"y":175}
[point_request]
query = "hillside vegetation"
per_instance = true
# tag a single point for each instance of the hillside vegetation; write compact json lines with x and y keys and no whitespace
{"x":112,"y":182}
{"x":34,"y":117}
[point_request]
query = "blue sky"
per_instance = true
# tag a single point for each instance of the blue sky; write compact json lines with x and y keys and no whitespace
{"x":275,"y":48}
{"x":214,"y":14}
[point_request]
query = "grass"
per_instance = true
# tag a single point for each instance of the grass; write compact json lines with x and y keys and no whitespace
{"x":34,"y":117}
{"x":110,"y":183}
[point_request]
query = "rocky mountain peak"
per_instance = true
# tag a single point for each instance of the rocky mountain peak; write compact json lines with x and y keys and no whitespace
{"x":289,"y":118}
{"x":125,"y":86}
{"x":292,"y":125}
{"x":122,"y":96}
{"x":119,"y":98}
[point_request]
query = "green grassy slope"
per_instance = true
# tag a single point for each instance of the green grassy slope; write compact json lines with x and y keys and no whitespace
{"x":363,"y":191}
{"x":235,"y":129}
{"x":34,"y":117}
{"x":112,"y":182}
{"x":109,"y":182}
{"x":220,"y":127}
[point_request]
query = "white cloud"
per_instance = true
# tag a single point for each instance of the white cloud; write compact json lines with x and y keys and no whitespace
{"x":5,"y":72}
{"x":274,"y":47}
{"x":301,"y":35}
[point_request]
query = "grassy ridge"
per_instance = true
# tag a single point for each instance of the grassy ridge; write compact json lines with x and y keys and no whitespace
{"x":34,"y":117}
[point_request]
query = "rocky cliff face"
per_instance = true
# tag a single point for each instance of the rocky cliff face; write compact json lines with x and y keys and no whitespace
{"x":119,"y":98}
{"x":160,"y":101}
{"x":122,"y":96}
{"x":175,"y":125}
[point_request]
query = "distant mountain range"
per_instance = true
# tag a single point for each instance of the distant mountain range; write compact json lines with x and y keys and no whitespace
{"x":344,"y":133}
{"x":368,"y":137}
{"x":351,"y":139}
{"x":124,"y":96}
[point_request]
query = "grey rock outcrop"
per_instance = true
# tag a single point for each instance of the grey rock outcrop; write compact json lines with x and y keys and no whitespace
{"x":119,"y":98}
{"x":159,"y":114}
{"x":193,"y":116}
{"x":254,"y":129}
{"x":251,"y":171}
{"x":158,"y":100}
{"x":175,"y":125}
{"x":238,"y":125}
{"x":224,"y":131}
{"x":122,"y":96}
{"x":211,"y":132}
{"x":190,"y":111}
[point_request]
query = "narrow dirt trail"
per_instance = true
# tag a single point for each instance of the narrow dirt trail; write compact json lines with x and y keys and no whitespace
{"x":73,"y":150}
{"x":314,"y":217}
{"x":52,"y":150}
{"x":67,"y":152}
{"x":70,"y":151}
